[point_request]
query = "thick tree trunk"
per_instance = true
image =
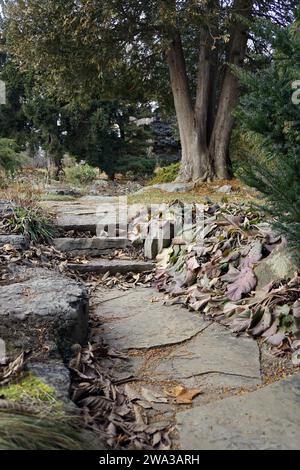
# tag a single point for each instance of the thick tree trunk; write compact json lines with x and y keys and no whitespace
{"x":192,"y":130}
{"x":220,"y":139}
{"x":204,"y":131}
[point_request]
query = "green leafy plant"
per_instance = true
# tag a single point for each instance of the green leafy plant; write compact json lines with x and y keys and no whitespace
{"x":81,"y":174}
{"x":166,"y":174}
{"x":31,"y":221}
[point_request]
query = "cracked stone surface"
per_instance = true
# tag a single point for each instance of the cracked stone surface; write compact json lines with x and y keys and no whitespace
{"x":132,"y":321}
{"x":191,"y":351}
{"x":214,"y":357}
{"x":267,"y":419}
{"x":43,"y":305}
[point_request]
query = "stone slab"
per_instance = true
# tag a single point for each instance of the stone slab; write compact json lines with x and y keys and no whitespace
{"x":40,"y":305}
{"x":267,"y":419}
{"x":93,"y":214}
{"x":133,"y":321}
{"x":213,"y":358}
{"x":88,"y":246}
{"x":19,"y":242}
{"x":116,"y":266}
{"x":159,"y":237}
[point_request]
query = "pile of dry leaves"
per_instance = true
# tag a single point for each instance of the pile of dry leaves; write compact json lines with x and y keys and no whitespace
{"x":112,"y":407}
{"x":214,"y":273}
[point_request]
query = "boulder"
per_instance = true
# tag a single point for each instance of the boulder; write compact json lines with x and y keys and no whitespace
{"x":174,"y":187}
{"x":278,"y":265}
{"x":39,"y":305}
{"x":63,"y":191}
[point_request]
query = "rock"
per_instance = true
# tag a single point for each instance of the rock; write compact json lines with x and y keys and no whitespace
{"x":40,"y":305}
{"x":227,"y":189}
{"x":174,"y":187}
{"x":102,"y":266}
{"x":99,"y":199}
{"x":19,"y":242}
{"x":77,"y":247}
{"x":133,"y":321}
{"x":91,"y":214}
{"x":160,"y":236}
{"x":168,"y":187}
{"x":54,"y":374}
{"x":6,"y":207}
{"x":278,"y":265}
{"x":267,"y":419}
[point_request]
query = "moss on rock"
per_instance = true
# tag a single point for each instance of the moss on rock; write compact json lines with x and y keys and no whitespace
{"x":28,"y":388}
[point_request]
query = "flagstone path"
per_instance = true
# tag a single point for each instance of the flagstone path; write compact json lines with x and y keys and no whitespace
{"x":169,"y":346}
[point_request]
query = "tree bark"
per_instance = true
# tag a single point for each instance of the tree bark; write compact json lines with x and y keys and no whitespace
{"x":220,"y":139}
{"x":183,"y":105}
{"x":204,"y":131}
{"x":192,"y":122}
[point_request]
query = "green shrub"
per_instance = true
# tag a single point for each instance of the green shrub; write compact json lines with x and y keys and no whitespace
{"x":244,"y":146}
{"x":133,"y":167}
{"x":9,"y":156}
{"x":81,"y":174}
{"x":167,"y":174}
{"x":33,"y":222}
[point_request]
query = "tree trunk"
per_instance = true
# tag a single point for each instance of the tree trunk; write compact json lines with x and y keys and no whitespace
{"x":219,"y":144}
{"x":194,"y":163}
{"x":204,"y":132}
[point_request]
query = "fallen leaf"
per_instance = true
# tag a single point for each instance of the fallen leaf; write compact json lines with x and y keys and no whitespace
{"x":244,"y":283}
{"x":254,"y":255}
{"x":184,"y":396}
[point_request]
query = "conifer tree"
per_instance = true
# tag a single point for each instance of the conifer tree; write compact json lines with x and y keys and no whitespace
{"x":270,"y":109}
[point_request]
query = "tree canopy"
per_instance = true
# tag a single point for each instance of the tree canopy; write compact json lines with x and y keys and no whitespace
{"x":135,"y":51}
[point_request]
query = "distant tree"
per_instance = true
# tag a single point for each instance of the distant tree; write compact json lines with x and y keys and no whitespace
{"x":9,"y":156}
{"x":93,"y":130}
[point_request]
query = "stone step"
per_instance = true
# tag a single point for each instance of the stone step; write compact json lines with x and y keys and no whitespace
{"x":90,"y":223}
{"x":19,"y":242}
{"x":102,"y":266}
{"x":39,"y":300}
{"x":92,"y":247}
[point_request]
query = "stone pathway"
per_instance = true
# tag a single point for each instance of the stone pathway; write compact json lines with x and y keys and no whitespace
{"x":168,"y":346}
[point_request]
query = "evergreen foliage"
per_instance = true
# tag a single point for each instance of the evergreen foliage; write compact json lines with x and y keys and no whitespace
{"x":268,"y":113}
{"x":9,"y":156}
